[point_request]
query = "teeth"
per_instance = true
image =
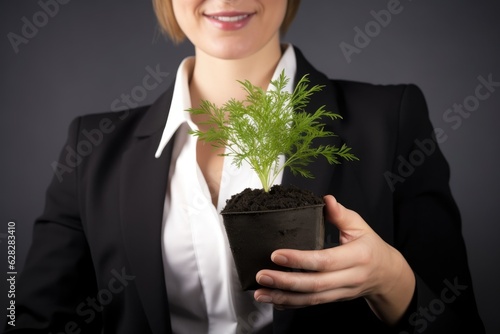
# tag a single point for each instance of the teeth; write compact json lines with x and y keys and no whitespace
{"x":229,"y":18}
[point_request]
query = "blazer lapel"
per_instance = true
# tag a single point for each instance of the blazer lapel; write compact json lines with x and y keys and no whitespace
{"x":143,"y":182}
{"x":339,"y":180}
{"x":320,"y":168}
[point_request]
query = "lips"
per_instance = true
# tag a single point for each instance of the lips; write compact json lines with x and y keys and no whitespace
{"x":229,"y":21}
{"x":229,"y":18}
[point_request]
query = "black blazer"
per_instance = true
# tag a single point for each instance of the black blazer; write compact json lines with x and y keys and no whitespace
{"x":98,"y":238}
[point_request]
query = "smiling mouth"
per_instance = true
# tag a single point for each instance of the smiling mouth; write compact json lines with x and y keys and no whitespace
{"x":229,"y":18}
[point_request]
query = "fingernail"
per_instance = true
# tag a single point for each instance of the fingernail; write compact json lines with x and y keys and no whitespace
{"x":264,"y":299}
{"x":279,"y":259}
{"x":265,"y":280}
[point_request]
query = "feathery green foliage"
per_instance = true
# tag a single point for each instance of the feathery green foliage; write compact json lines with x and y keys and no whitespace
{"x":268,"y":124}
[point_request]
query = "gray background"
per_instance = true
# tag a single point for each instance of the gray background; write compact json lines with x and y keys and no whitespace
{"x":90,"y":52}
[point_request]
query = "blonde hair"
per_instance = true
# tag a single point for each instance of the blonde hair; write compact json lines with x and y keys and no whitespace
{"x":169,"y":26}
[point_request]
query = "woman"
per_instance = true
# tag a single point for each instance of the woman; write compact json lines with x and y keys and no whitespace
{"x":131,"y":238}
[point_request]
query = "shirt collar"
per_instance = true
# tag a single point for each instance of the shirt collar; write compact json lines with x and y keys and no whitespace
{"x":181,"y":99}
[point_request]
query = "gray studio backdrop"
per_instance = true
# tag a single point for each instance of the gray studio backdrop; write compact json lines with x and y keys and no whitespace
{"x":62,"y":58}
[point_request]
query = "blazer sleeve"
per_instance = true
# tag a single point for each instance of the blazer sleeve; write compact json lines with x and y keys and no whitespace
{"x":58,"y":276}
{"x":428,"y":227}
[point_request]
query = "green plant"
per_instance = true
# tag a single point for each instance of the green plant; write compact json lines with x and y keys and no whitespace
{"x":268,"y":124}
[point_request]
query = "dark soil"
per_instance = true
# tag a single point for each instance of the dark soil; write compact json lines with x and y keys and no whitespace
{"x":278,"y":197}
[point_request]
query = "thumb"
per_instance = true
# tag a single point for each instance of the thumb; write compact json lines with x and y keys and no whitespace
{"x":344,"y":219}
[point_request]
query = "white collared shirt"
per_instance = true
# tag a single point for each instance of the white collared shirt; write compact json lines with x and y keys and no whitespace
{"x":204,"y":293}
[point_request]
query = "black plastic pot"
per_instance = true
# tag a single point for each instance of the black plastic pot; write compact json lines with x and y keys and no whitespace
{"x":254,"y":235}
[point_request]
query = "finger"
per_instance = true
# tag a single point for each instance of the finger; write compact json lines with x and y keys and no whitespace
{"x":350,"y":224}
{"x":311,"y":282}
{"x":340,"y":216}
{"x":286,"y":299}
{"x":331,"y":259}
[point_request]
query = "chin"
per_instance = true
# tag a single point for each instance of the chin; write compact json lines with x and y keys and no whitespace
{"x":231,"y":51}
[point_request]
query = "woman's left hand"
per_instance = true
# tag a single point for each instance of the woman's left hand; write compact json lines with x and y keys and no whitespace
{"x":363,"y":265}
